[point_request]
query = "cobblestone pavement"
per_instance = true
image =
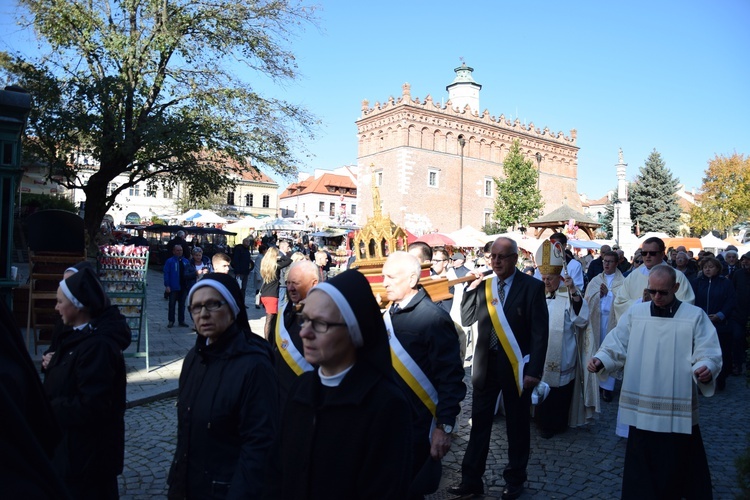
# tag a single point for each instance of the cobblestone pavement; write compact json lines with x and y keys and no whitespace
{"x":581,"y":463}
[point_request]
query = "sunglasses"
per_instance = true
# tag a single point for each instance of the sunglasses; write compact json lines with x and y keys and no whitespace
{"x":639,"y":262}
{"x":663,"y":293}
{"x":646,"y":253}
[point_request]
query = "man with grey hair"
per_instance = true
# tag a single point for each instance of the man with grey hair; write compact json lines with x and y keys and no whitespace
{"x":426,"y":360}
{"x":511,"y":346}
{"x":179,"y":239}
{"x":668,"y":350}
{"x":287,"y":344}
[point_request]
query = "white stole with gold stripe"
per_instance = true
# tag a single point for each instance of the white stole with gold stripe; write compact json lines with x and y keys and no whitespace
{"x":409,"y":370}
{"x":288,"y":350}
{"x":504,"y":333}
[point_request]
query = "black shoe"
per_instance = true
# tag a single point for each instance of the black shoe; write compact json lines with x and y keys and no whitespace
{"x":463,"y":490}
{"x":512,"y":491}
{"x":170,"y":324}
{"x":545,"y":434}
{"x":184,"y":324}
{"x":606,"y":395}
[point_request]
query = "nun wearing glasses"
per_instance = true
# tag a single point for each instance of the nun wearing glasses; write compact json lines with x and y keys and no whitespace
{"x":345,"y":431}
{"x":227,"y":405}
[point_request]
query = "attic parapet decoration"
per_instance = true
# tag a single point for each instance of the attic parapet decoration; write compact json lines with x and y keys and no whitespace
{"x":430,"y":106}
{"x":379,"y":236}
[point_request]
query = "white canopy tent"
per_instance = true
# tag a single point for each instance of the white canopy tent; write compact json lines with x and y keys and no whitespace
{"x":587,"y":244}
{"x":524,"y":242}
{"x":281,"y":224}
{"x":207,"y":217}
{"x":187,"y":215}
{"x":243,"y":227}
{"x":712,"y":242}
{"x":467,"y":236}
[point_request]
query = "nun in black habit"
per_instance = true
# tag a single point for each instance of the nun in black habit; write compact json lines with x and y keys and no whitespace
{"x":345,"y":431}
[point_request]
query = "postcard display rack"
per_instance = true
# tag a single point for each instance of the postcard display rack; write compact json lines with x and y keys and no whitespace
{"x":122,"y":271}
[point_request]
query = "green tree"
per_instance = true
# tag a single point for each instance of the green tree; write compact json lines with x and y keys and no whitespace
{"x":518,"y":199}
{"x":608,"y":216}
{"x":725,"y":195}
{"x":151,"y":89}
{"x":653,"y":202}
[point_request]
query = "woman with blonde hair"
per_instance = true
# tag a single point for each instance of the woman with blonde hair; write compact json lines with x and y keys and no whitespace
{"x":270,"y":272}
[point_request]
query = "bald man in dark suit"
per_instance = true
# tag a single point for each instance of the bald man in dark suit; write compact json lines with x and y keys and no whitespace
{"x":510,"y":360}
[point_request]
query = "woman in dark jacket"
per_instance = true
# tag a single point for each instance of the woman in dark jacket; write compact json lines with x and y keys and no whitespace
{"x":227,"y":406}
{"x":715,"y":295}
{"x":345,"y":432}
{"x":85,"y":385}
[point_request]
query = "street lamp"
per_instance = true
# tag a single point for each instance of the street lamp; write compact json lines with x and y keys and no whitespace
{"x":462,"y":143}
{"x":617,"y":203}
{"x":538,"y":156}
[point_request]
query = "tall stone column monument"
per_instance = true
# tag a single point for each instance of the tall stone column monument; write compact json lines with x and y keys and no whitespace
{"x":622,"y":224}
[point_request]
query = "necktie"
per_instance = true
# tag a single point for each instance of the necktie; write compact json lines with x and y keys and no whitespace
{"x":494,"y":342}
{"x":395,"y":308}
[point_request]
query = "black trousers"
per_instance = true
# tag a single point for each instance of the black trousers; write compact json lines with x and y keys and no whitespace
{"x":517,"y":421}
{"x":665,"y":466}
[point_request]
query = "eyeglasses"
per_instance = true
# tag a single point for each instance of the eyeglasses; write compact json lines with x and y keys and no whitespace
{"x":318,"y":325}
{"x":439,"y":260}
{"x":658,"y":292}
{"x":646,"y":253}
{"x":639,"y":262}
{"x":609,"y":261}
{"x":211,"y":306}
{"x":497,"y":256}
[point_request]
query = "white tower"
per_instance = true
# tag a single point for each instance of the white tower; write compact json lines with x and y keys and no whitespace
{"x":464,"y":90}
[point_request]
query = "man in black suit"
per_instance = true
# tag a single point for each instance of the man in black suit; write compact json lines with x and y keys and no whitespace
{"x":510,"y":360}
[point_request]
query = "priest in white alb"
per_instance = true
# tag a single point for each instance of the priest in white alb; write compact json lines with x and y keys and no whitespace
{"x":652,"y":251}
{"x":669,"y":350}
{"x":600,"y":294}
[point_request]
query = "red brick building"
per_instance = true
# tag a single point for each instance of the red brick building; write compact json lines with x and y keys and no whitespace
{"x":435,"y":163}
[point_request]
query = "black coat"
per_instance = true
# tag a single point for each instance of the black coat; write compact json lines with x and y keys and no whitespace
{"x":85,"y":385}
{"x":526,"y":310}
{"x":242,"y":261}
{"x":28,"y":430}
{"x":741,"y":282}
{"x":227,"y":412}
{"x":715,"y":295}
{"x":271,"y":289}
{"x":348,"y":442}
{"x":285,"y":375}
{"x":596,"y":267}
{"x":429,"y":335}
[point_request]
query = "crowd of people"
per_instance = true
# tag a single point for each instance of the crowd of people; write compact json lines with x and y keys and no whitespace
{"x":341,"y":397}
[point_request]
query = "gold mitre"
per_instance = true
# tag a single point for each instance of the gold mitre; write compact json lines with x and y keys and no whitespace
{"x":549,"y":258}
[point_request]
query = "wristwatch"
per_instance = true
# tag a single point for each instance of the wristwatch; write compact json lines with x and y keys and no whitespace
{"x":575,"y":294}
{"x":447,"y":428}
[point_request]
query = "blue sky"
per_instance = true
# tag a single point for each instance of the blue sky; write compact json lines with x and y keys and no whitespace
{"x":671,"y":76}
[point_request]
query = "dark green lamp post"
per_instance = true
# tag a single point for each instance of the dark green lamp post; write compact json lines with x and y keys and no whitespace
{"x":15,"y":105}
